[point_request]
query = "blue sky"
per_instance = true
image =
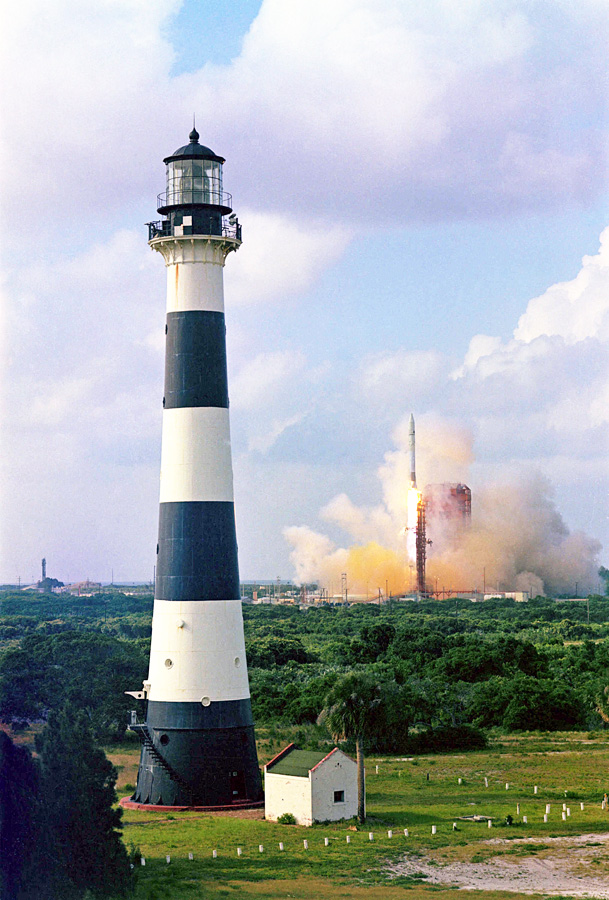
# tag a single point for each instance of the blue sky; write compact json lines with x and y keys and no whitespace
{"x":418,"y":190}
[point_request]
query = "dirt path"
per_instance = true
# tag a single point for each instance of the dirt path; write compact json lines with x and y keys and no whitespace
{"x":561,"y":870}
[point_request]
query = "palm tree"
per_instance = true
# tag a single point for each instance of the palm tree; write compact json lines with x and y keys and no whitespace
{"x":351,"y":710}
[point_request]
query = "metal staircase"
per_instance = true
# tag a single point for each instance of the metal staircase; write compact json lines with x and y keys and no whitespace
{"x":147,"y":740}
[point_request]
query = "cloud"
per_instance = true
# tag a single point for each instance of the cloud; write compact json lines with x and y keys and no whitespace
{"x":481,"y":346}
{"x":259,"y":379}
{"x":262,"y":441}
{"x":405,"y":376}
{"x":76,"y":110}
{"x":267,"y":394}
{"x":575,"y":309}
{"x":457,"y":110}
{"x":335,"y":110}
{"x":281,"y":256}
{"x":552,"y":376}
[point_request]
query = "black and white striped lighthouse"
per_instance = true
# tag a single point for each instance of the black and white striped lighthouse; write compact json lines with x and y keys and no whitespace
{"x":198,"y":744}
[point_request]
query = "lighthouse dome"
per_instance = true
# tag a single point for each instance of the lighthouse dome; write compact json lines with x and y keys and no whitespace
{"x":194,"y":150}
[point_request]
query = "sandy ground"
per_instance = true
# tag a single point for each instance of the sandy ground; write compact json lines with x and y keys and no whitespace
{"x":561,"y":870}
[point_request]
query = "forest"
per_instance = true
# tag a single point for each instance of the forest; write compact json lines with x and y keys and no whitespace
{"x":448,"y":670}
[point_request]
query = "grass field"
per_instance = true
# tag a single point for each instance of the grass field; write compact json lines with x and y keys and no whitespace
{"x":399,"y":797}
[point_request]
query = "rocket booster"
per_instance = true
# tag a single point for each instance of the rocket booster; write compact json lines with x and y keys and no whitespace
{"x":413,"y":475}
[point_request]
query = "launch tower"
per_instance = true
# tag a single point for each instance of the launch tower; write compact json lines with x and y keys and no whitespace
{"x":198,"y":744}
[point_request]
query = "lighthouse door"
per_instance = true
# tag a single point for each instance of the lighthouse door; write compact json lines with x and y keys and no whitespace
{"x":237,"y":785}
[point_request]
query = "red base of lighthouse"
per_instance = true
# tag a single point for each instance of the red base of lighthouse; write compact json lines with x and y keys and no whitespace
{"x":128,"y":803}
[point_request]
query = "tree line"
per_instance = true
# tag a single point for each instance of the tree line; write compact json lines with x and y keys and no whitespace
{"x":515,"y":666}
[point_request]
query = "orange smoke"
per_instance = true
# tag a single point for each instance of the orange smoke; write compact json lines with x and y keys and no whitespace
{"x":372,"y":567}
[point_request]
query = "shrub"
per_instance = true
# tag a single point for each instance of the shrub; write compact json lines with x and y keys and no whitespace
{"x":287,"y":819}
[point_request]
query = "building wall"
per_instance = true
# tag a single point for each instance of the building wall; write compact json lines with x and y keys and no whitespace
{"x":287,"y":794}
{"x":338,"y":773}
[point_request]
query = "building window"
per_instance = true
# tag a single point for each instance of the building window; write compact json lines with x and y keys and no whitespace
{"x":339,"y":796}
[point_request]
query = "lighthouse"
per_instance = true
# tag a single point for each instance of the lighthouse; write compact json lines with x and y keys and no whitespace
{"x":198,"y":744}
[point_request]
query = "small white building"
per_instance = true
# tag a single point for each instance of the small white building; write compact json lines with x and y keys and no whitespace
{"x":312,"y":785}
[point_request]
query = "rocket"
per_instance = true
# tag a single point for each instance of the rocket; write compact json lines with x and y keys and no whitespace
{"x":413,"y":474}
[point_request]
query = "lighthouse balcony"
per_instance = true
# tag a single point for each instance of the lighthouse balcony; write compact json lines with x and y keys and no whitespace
{"x":198,"y":223}
{"x":187,"y":193}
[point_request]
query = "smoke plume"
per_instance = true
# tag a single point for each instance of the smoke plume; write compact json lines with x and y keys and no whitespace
{"x":517,"y":539}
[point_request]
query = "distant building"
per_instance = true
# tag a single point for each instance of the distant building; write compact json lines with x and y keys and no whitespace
{"x":518,"y":596}
{"x":312,"y":785}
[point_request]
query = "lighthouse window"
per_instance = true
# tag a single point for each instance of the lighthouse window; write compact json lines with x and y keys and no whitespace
{"x":194,"y":181}
{"x":168,"y":663}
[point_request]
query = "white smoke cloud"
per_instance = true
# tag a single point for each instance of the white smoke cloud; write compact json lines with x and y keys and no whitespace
{"x":314,"y":552}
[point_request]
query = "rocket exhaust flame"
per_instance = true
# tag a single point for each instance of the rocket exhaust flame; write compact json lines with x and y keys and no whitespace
{"x":412,"y":504}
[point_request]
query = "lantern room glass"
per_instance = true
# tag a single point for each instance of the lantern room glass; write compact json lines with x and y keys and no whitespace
{"x":194,"y":181}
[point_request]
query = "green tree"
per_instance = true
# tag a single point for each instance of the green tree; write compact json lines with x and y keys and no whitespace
{"x":83,"y":670}
{"x":351,"y":710}
{"x":275,"y":651}
{"x":28,"y":871}
{"x":78,"y":783}
{"x":372,"y":642}
{"x":543,"y":705}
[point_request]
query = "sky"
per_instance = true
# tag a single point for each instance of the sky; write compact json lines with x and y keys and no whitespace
{"x":423,"y":194}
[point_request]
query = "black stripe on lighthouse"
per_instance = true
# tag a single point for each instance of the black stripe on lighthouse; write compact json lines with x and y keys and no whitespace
{"x":195,"y":360}
{"x":197,"y":557}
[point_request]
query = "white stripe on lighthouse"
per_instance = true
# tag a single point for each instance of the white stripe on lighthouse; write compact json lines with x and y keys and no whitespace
{"x":196,"y":455}
{"x":195,"y":286}
{"x":197,"y":651}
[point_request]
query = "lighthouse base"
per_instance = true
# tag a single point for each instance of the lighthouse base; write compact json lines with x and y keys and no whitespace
{"x":194,"y":756}
{"x":128,"y":803}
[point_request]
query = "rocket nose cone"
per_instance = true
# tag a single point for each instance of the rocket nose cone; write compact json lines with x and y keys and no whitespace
{"x":411,"y":423}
